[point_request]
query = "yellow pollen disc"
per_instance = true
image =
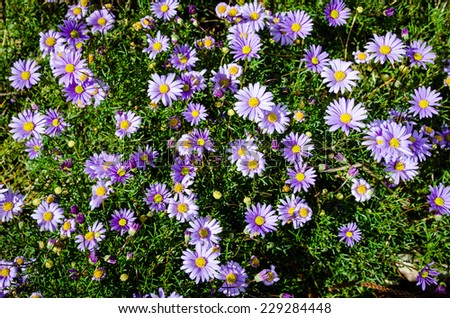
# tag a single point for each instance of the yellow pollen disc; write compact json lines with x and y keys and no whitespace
{"x":233,"y":70}
{"x":185,"y":171}
{"x":300,"y":176}
{"x":79,"y":45}
{"x":253,"y":102}
{"x":447,"y":81}
{"x":124,"y":124}
{"x":424,"y":274}
{"x":296,"y":27}
{"x":259,"y":220}
{"x":231,"y":278}
{"x":77,"y":11}
{"x":200,"y":142}
{"x":173,"y":122}
{"x":4,"y":272}
{"x":20,"y":261}
{"x":89,"y":236}
{"x":315,"y":60}
{"x":47,"y":216}
{"x":84,"y":3}
{"x":208,"y":42}
{"x":163,"y":88}
{"x":380,"y":141}
{"x":121,"y":172}
{"x":272,"y":118}
{"x":74,"y":34}
{"x":254,"y":16}
{"x":195,"y":113}
{"x":241,"y":152}
{"x":417,"y":56}
{"x":428,"y":129}
{"x":203,"y":233}
{"x":182,"y":208}
{"x":423,"y":103}
{"x":144,"y":157}
{"x":362,"y":56}
{"x":303,"y":212}
{"x":178,"y":188}
{"x":157,"y":46}
{"x":66,"y":226}
{"x":79,"y":89}
{"x":412,"y":139}
{"x":334,"y":14}
{"x":291,"y":211}
{"x":384,"y":49}
{"x":7,"y":206}
{"x":339,"y":76}
{"x":157,"y":198}
{"x":98,"y":273}
{"x":187,"y":144}
{"x":28,"y":126}
{"x":395,"y":143}
{"x":101,"y":21}
{"x":224,"y":82}
{"x":349,"y":234}
{"x":164,"y":8}
{"x":361,"y":189}
{"x":252,"y":164}
{"x":36,"y":148}
{"x":345,"y":118}
{"x":200,"y":262}
{"x":25,"y":75}
{"x":438,"y":138}
{"x":232,"y":12}
{"x":101,"y":191}
{"x":183,"y":59}
{"x":50,"y":41}
{"x":70,"y":68}
{"x":299,"y":115}
{"x":399,"y":166}
{"x":246,"y":49}
{"x":270,"y":276}
{"x":439,"y":201}
{"x":122,"y":222}
{"x":296,"y":149}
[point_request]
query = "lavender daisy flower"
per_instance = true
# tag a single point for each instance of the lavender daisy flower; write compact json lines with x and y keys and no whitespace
{"x":99,"y":274}
{"x":386,"y":47}
{"x":343,"y":114}
{"x":10,"y":205}
{"x":181,"y":188}
{"x":48,"y":216}
{"x":70,"y":66}
{"x":267,"y":276}
{"x":252,"y":164}
{"x":100,"y":192}
{"x":148,"y":22}
{"x":246,"y":48}
{"x":201,"y":264}
{"x":157,"y":197}
{"x":420,"y":146}
{"x":193,"y":82}
{"x":361,"y":190}
{"x":174,"y":122}
{"x":419,"y":53}
{"x":48,"y":41}
{"x":76,"y":12}
{"x":101,"y":21}
{"x":288,"y":210}
{"x":301,"y":177}
{"x":90,"y":240}
{"x":161,"y":294}
{"x":304,"y":213}
{"x":165,"y":88}
{"x":183,"y":208}
{"x":126,"y":123}
{"x":183,"y":170}
{"x":158,"y":44}
{"x":55,"y":123}
{"x":73,"y":32}
{"x":234,"y":70}
{"x":297,"y":24}
{"x":426,"y":276}
{"x":204,"y":231}
{"x":221,"y":9}
{"x":201,"y":141}
{"x":27,"y":124}
{"x":274,"y":119}
{"x":234,"y":277}
{"x":252,"y":101}
{"x":119,"y":173}
{"x":79,"y":93}
{"x":194,"y":113}
{"x":242,"y":147}
{"x":260,"y":219}
{"x":97,"y":166}
{"x":24,"y":74}
{"x":402,"y":169}
{"x":349,"y":233}
{"x":164,"y":9}
{"x":144,"y":157}
{"x":395,"y":142}
{"x":184,"y":145}
{"x":296,"y":147}
{"x":8,"y":273}
{"x":361,"y":57}
{"x":439,"y":199}
{"x":423,"y":101}
{"x":315,"y":59}
{"x":68,"y":227}
{"x":223,"y":81}
{"x":336,"y":13}
{"x":183,"y":57}
{"x":254,"y":14}
{"x":338,"y":76}
{"x":275,"y":27}
{"x":121,"y":220}
{"x":34,"y":147}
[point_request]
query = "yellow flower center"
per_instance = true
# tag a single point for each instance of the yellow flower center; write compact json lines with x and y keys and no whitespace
{"x":195,"y":113}
{"x":25,"y":75}
{"x":291,"y":211}
{"x":178,"y":188}
{"x":101,"y":191}
{"x":70,"y":68}
{"x":185,"y":171}
{"x":270,"y":276}
{"x":345,"y":118}
{"x":299,"y":115}
{"x":28,"y":126}
{"x":241,"y":152}
{"x":438,"y":138}
{"x":122,"y":222}
{"x":300,"y":176}
{"x":77,"y":11}
{"x":187,"y":144}
{"x":173,"y":122}
{"x":253,"y":102}
{"x":224,"y":82}
{"x":246,"y":49}
{"x":439,"y":201}
{"x":7,"y":206}
{"x":36,"y":148}
{"x":84,"y":3}
{"x":334,"y":14}
{"x":208,"y":42}
{"x":361,"y":189}
{"x":101,"y":21}
{"x":361,"y":56}
{"x":164,"y":8}
{"x":399,"y":166}
{"x":89,"y":236}
{"x":380,"y":141}
{"x":423,"y":103}
{"x":296,"y":149}
{"x":200,"y":262}
{"x":98,"y":273}
{"x":55,"y":122}
{"x":157,"y":46}
{"x":157,"y":198}
{"x":447,"y":81}
{"x":233,"y":70}
{"x":339,"y":76}
{"x":47,"y":216}
{"x":222,"y":9}
{"x":20,"y":261}
{"x":183,"y":59}
{"x":259,"y":220}
{"x":124,"y":124}
{"x":384,"y":49}
{"x":200,"y":142}
{"x":424,"y":274}
{"x":349,"y":234}
{"x":303,"y":212}
{"x":74,"y":34}
{"x":252,"y":164}
{"x":231,"y":278}
{"x":163,"y":88}
{"x":417,"y":56}
{"x":272,"y":118}
{"x":121,"y":172}
{"x":182,"y":208}
{"x":4,"y":272}
{"x":315,"y":60}
{"x":203,"y":233}
{"x":50,"y":41}
{"x":232,"y":12}
{"x":79,"y":89}
{"x":66,"y":226}
{"x":254,"y":16}
{"x":296,"y":27}
{"x":395,"y":143}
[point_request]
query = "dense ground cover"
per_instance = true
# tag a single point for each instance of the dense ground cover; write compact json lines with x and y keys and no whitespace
{"x":280,"y":131}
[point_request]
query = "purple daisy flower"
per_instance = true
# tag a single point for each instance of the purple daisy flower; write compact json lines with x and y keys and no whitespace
{"x":301,"y":177}
{"x":157,"y":197}
{"x":419,"y":53}
{"x":10,"y":205}
{"x":90,"y":240}
{"x":164,"y":9}
{"x":34,"y":147}
{"x":119,"y":173}
{"x":201,"y":141}
{"x":99,"y":274}
{"x":336,"y":13}
{"x":76,"y":12}
{"x":79,"y":93}
{"x":161,"y":294}
{"x":240,"y":31}
{"x":70,"y":66}
{"x":260,"y":219}
{"x":48,"y":216}
{"x":267,"y":276}
{"x":127,"y":123}
{"x":349,"y":233}
{"x":68,"y":227}
{"x":174,"y":122}
{"x":275,"y":119}
{"x":423,"y":102}
{"x":73,"y":32}
{"x":183,"y":57}
{"x":121,"y":220}
{"x":361,"y":190}
{"x":194,"y":113}
{"x":158,"y":44}
{"x":200,"y":264}
{"x":315,"y":59}
{"x":252,"y":101}
{"x":402,"y":169}
{"x":246,"y":48}
{"x":204,"y":231}
{"x":165,"y":88}
{"x":296,"y":147}
{"x":339,"y":76}
{"x":48,"y":41}
{"x":420,"y":146}
{"x":221,"y":9}
{"x":297,"y":24}
{"x":252,"y":164}
{"x":288,"y":210}
{"x":395,"y":141}
{"x":344,"y":114}
{"x":193,"y":82}
{"x":183,"y":170}
{"x":101,"y":21}
{"x":24,"y":74}
{"x":242,"y":147}
{"x":304,"y":213}
{"x":55,"y":123}
{"x":7,"y":274}
{"x":100,"y":192}
{"x":426,"y":276}
{"x":234,"y":277}
{"x":97,"y":166}
{"x":386,"y":47}
{"x":144,"y":157}
{"x":27,"y":124}
{"x":275,"y":27}
{"x":361,"y":57}
{"x":254,"y":14}
{"x":439,"y":199}
{"x":183,"y":208}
